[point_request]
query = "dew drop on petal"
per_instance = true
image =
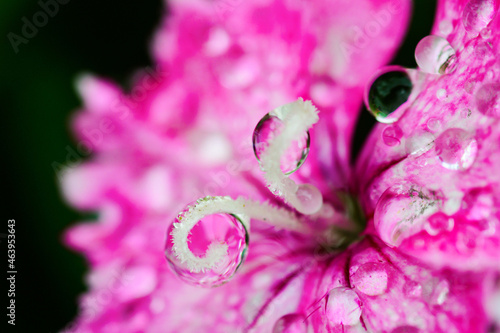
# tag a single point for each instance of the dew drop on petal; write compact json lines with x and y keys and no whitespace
{"x":392,"y":135}
{"x":402,"y":210}
{"x":412,"y":289}
{"x":477,"y":15}
{"x":456,"y":149}
{"x":435,"y":55}
{"x":389,"y":90}
{"x":441,"y":94}
{"x":488,"y":99}
{"x":266,"y":130}
{"x":343,"y":307}
{"x":225,"y":228}
{"x":309,"y":199}
{"x":434,"y":124}
{"x":290,"y":323}
{"x":371,"y":278}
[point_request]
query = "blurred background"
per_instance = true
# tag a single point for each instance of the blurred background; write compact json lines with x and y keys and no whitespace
{"x":110,"y":38}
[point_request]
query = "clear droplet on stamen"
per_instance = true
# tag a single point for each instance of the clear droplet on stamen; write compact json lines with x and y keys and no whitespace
{"x":477,"y":15}
{"x":343,"y":307}
{"x":266,"y":130}
{"x":456,"y":149}
{"x":488,"y":99}
{"x":309,"y":199}
{"x":290,"y":323}
{"x":371,"y":278}
{"x":223,"y":228}
{"x":392,"y":135}
{"x":389,"y":90}
{"x":435,"y":55}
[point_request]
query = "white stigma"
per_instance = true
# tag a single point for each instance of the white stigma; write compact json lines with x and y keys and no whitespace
{"x":243,"y":208}
{"x":297,"y":117}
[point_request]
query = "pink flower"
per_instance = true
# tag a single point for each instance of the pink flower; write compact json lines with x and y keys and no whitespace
{"x":407,"y":240}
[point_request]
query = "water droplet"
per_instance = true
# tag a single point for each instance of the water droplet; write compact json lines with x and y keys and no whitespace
{"x":371,"y":278}
{"x":435,"y":55}
{"x":402,"y":210}
{"x":266,"y":130}
{"x":488,"y":99}
{"x":310,"y":199}
{"x":343,"y":307}
{"x":290,"y":323}
{"x":387,"y":93}
{"x":434,"y":124}
{"x":225,"y":228}
{"x":405,"y":329}
{"x":456,"y":149}
{"x":441,"y":94}
{"x":438,"y":223}
{"x":392,"y":135}
{"x":477,"y":15}
{"x":412,"y":289}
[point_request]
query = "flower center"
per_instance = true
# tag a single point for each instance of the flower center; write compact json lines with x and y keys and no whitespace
{"x":208,"y":240}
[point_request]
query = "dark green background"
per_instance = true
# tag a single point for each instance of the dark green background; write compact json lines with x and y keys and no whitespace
{"x":109,"y":38}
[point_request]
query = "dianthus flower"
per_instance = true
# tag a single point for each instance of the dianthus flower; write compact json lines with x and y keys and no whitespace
{"x":201,"y":229}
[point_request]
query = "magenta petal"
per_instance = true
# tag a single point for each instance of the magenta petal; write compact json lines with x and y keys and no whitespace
{"x":448,"y":152}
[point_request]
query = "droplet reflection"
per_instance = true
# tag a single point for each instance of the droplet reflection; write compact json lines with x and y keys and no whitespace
{"x":387,"y":93}
{"x":213,"y":228}
{"x":266,"y":130}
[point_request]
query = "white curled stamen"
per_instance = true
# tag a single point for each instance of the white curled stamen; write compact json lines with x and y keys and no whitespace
{"x":243,"y":208}
{"x":297,"y":118}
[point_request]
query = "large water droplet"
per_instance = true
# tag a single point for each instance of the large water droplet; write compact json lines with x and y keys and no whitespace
{"x":387,"y":93}
{"x":371,"y":278}
{"x":477,"y":15}
{"x":488,"y":99}
{"x":435,"y":55}
{"x":266,"y":130}
{"x":309,"y":199}
{"x":290,"y":323}
{"x":343,"y":307}
{"x":224,"y":228}
{"x":456,"y":149}
{"x":392,"y":135}
{"x":402,"y":210}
